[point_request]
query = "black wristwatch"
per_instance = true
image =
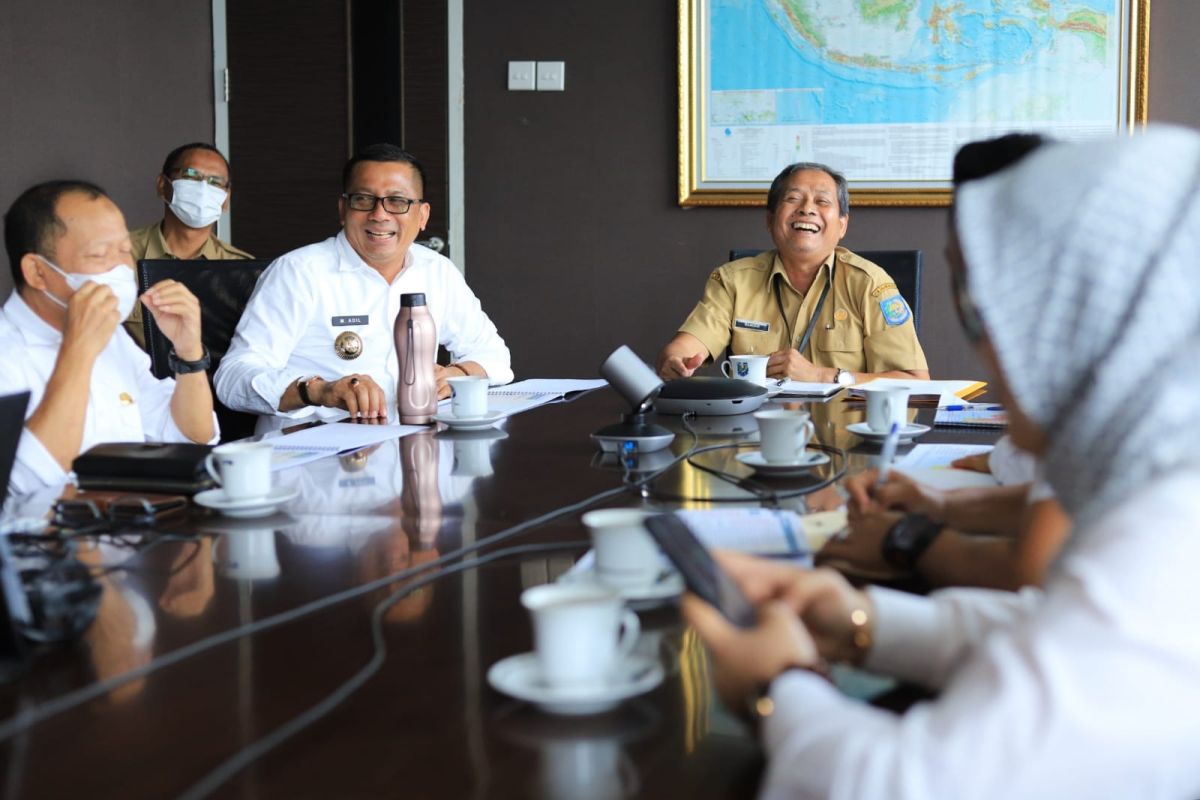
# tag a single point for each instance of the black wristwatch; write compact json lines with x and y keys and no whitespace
{"x":302,"y":389}
{"x":181,"y":367}
{"x":908,"y":540}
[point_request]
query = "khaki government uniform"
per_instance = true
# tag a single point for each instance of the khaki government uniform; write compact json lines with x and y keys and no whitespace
{"x":864,"y":326}
{"x":148,"y":242}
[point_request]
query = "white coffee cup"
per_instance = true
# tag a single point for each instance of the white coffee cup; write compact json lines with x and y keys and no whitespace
{"x":470,"y":397}
{"x":885,"y":405}
{"x":625,"y":554}
{"x":242,"y":469}
{"x":581,"y":633}
{"x":746,"y":368}
{"x":784,"y":434}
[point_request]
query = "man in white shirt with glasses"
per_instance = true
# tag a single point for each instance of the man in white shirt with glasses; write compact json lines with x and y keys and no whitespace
{"x":316,"y":336}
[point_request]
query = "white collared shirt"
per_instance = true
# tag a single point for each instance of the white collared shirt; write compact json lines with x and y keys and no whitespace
{"x":126,"y":402}
{"x":310,"y":296}
{"x":1087,"y":689}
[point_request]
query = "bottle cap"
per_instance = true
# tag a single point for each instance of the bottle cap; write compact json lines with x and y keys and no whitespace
{"x":414,"y":299}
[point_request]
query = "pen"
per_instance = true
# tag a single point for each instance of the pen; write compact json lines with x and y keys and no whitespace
{"x":887,"y":454}
{"x":964,"y":408}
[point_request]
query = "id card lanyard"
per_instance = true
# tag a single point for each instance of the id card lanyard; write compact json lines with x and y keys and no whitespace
{"x":812,"y":323}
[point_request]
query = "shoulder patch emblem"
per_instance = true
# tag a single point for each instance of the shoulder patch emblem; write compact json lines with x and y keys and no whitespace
{"x":887,"y":287}
{"x":895,"y":310}
{"x":716,"y":276}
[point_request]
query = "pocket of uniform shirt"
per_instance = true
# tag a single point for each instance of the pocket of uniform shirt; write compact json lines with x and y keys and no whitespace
{"x":840,"y":340}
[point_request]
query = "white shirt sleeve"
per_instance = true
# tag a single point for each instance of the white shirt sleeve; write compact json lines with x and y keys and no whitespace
{"x":470,"y":335}
{"x":253,"y":374}
{"x":154,"y":398}
{"x":1089,"y":693}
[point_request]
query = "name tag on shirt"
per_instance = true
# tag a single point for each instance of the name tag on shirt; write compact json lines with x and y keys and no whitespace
{"x":752,"y":324}
{"x":342,"y":322}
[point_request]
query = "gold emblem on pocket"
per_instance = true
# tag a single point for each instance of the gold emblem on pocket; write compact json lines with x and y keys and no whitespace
{"x":841,"y":315}
{"x":125,"y":398}
{"x":348,"y":345}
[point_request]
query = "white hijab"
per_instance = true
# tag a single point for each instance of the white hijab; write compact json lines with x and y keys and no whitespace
{"x":1083,"y":262}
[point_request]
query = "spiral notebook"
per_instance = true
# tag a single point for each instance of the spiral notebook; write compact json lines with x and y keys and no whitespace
{"x":971,"y":415}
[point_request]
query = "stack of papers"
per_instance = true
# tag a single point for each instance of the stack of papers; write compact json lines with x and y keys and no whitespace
{"x":940,"y":393}
{"x":524,"y":395}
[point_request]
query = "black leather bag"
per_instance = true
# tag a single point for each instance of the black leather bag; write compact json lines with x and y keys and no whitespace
{"x":176,"y":467}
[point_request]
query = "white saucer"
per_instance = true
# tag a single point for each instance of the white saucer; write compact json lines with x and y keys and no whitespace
{"x":811,"y":458}
{"x":470,"y":423}
{"x":250,"y":507}
{"x":907,"y":433}
{"x":520,"y":676}
{"x":667,"y":586}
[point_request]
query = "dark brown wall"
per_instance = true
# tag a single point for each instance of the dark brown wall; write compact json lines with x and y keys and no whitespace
{"x":574,"y":240}
{"x":101,"y":91}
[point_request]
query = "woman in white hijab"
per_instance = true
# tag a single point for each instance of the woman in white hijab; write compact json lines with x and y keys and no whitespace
{"x":1076,"y":282}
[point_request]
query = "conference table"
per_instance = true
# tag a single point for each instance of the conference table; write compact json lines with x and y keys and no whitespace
{"x":358,"y":690}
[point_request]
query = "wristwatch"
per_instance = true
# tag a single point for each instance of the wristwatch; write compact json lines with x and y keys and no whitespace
{"x":181,"y":367}
{"x":908,"y":540}
{"x":302,"y":389}
{"x":844,"y":377}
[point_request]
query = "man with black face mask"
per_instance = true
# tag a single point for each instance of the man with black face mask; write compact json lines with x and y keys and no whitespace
{"x":60,"y":337}
{"x":194,"y":187}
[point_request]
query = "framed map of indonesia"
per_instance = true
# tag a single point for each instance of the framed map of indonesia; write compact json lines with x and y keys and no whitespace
{"x":885,"y":91}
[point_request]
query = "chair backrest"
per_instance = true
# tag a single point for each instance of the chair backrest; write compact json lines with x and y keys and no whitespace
{"x":903,"y":265}
{"x":222,"y":287}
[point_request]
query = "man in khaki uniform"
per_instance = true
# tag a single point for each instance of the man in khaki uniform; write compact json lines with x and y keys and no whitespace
{"x":194,"y":187}
{"x":819,"y":311}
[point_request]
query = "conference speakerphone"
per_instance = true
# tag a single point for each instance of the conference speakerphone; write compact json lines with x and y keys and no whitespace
{"x":705,"y":396}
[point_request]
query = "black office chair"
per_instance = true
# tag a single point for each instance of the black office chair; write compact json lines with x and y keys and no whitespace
{"x":223,"y":287}
{"x":903,"y":265}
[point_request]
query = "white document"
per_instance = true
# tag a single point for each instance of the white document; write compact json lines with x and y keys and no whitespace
{"x":319,"y":441}
{"x":930,"y":464}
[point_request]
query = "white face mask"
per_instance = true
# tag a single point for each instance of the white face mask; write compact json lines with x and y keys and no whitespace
{"x":119,"y":279}
{"x":196,"y":203}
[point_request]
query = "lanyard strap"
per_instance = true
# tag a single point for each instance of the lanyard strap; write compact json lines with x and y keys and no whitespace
{"x":812,"y":323}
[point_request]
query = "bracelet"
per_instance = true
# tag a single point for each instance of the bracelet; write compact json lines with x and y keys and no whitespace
{"x":860,"y":634}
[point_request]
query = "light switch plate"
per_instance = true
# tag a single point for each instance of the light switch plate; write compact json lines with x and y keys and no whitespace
{"x":521,"y":76}
{"x":551,"y":76}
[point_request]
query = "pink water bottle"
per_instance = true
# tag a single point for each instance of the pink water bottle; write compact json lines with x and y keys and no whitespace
{"x":416,"y":350}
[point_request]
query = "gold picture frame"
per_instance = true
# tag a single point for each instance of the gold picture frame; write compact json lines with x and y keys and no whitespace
{"x":700,"y":184}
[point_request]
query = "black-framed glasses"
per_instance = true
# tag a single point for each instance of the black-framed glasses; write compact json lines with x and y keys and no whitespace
{"x":968,"y":313}
{"x":393,"y":204}
{"x":190,"y":174}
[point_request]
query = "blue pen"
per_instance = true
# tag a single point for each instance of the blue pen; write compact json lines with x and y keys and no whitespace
{"x":887,"y":454}
{"x":954,"y":408}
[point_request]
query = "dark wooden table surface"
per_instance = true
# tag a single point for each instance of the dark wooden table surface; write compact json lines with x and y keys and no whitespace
{"x":425,"y":724}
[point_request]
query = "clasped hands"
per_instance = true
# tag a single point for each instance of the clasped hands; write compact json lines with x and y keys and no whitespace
{"x":804,"y":620}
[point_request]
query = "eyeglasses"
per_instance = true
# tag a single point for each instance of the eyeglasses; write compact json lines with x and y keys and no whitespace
{"x":393,"y":204}
{"x":189,"y":174}
{"x":968,"y":313}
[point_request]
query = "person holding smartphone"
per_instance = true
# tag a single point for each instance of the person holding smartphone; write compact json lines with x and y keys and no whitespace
{"x":1071,"y":277}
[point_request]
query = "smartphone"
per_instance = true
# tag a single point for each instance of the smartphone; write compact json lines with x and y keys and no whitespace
{"x":701,"y":574}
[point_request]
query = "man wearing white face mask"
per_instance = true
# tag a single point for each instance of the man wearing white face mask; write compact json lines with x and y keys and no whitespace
{"x":194,"y":187}
{"x":59,"y":335}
